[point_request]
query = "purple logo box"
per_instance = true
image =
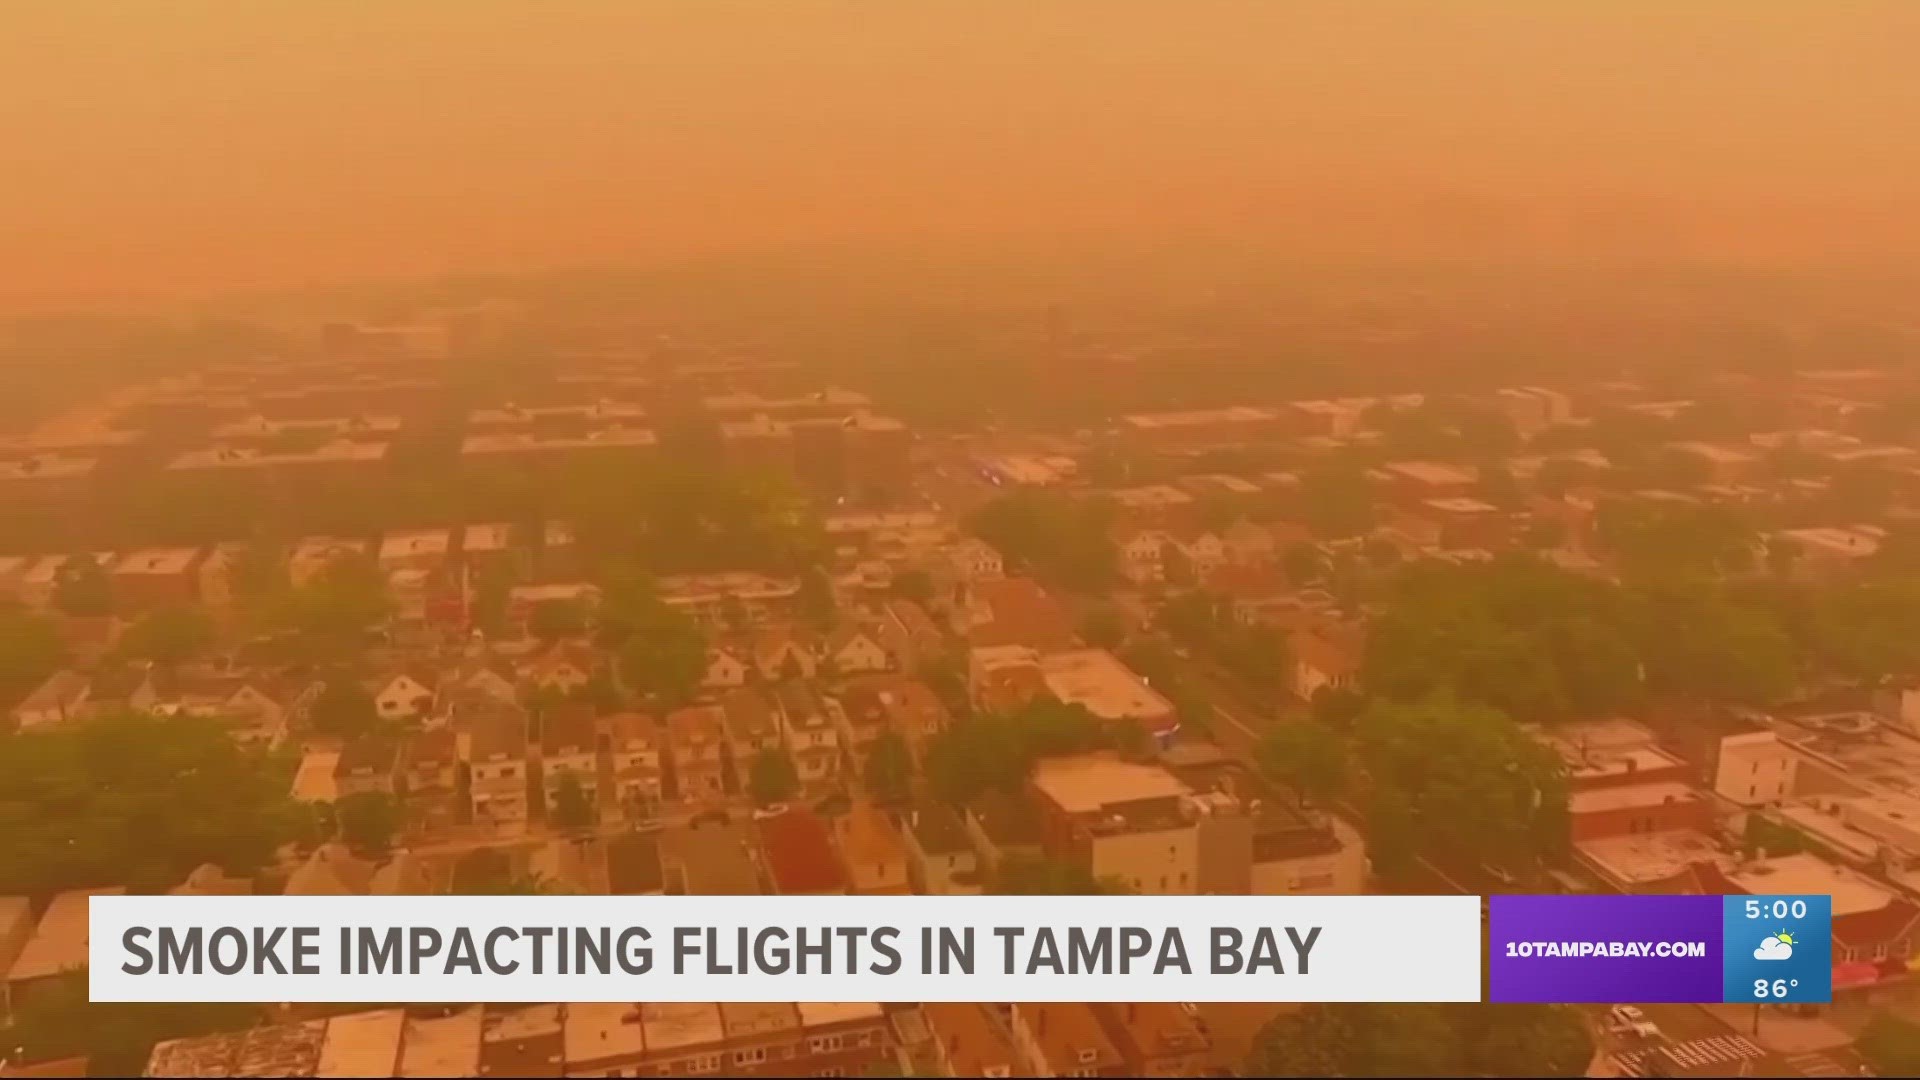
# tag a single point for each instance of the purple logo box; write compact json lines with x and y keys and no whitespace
{"x":1604,"y":949}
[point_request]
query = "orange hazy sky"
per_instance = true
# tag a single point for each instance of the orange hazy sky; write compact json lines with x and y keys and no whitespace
{"x":161,"y":147}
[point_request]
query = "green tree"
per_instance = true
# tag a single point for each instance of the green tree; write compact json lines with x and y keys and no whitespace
{"x":367,"y":821}
{"x":116,"y":1038}
{"x":343,"y":709}
{"x":1303,"y":564}
{"x":333,"y":611}
{"x":572,"y":812}
{"x":557,"y":618}
{"x":995,"y":752}
{"x":1063,"y":539}
{"x":1498,"y":486}
{"x":772,"y":777}
{"x":1545,"y":535}
{"x":1336,"y":500}
{"x":1104,"y":627}
{"x":1306,"y":756}
{"x":1338,"y":706}
{"x":30,"y":650}
{"x":815,"y":600}
{"x":138,"y":801}
{"x":664,"y":653}
{"x":1487,"y":792}
{"x":889,"y":771}
{"x":169,"y":636}
{"x":914,"y":585}
{"x":82,"y":588}
{"x":1891,"y":1045}
{"x":491,"y":593}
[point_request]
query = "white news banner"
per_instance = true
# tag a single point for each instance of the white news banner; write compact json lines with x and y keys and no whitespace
{"x":785,"y":948}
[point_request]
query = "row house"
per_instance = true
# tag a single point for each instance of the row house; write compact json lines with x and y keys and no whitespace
{"x":811,"y":732}
{"x":725,"y":670}
{"x":498,"y":770}
{"x":910,"y":636}
{"x":800,"y":858}
{"x":1064,"y":1039}
{"x":697,"y":741}
{"x":636,"y":746}
{"x":570,"y":752}
{"x":941,"y":859}
{"x":752,"y":727}
{"x":366,"y":766}
{"x":430,"y":781}
{"x":899,"y":704}
{"x":154,"y":578}
{"x":406,"y":694}
{"x":873,"y":851}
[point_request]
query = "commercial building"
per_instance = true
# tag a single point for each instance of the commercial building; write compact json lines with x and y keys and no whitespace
{"x":1119,"y":820}
{"x":1096,"y":680}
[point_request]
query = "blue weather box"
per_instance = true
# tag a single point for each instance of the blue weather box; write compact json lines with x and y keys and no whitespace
{"x":1778,"y":949}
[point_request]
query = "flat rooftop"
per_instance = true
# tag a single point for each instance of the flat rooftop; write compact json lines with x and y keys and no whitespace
{"x":1631,"y":796}
{"x":412,"y":542}
{"x":597,"y":1030}
{"x":1432,"y":473}
{"x":1462,"y":505}
{"x":1089,"y":783}
{"x":262,"y":427}
{"x":1238,"y":414}
{"x":486,"y":536}
{"x":1150,"y":495}
{"x":1649,"y":857}
{"x":672,"y":1026}
{"x":519,"y":414}
{"x":748,"y":402}
{"x":1096,"y":679}
{"x":45,"y":467}
{"x":364,"y":1044}
{"x":444,"y":1045}
{"x":157,"y":561}
{"x":59,"y":943}
{"x":516,"y":442}
{"x":821,"y":1013}
{"x":246,"y":457}
{"x":1806,"y":874}
{"x":1851,"y":543}
{"x":1717,"y":454}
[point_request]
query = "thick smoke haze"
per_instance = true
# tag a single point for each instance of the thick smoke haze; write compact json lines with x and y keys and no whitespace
{"x":156,"y":149}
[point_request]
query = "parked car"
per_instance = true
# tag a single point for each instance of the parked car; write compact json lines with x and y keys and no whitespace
{"x":1629,"y":1020}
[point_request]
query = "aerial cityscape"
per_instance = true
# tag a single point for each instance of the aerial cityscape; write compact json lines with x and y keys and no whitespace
{"x":1534,"y":557}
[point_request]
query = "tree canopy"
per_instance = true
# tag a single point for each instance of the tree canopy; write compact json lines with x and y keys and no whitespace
{"x":572,"y":810}
{"x":116,"y":1038}
{"x":661,"y":651}
{"x":1485,"y":792}
{"x":30,"y":650}
{"x":170,"y":635}
{"x":137,"y":801}
{"x":772,"y":778}
{"x":889,"y":771}
{"x":1066,"y":541}
{"x":343,"y":709}
{"x":1306,"y":756}
{"x":367,"y":821}
{"x":995,"y":752}
{"x":82,"y":588}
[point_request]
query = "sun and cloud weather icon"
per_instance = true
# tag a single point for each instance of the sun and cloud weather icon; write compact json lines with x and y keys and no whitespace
{"x":1775,"y":947}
